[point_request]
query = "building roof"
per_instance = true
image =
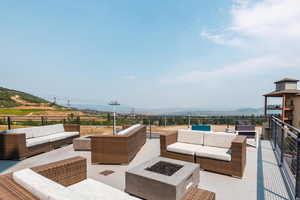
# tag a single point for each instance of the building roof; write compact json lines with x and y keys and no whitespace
{"x":282,"y":92}
{"x":287,"y":80}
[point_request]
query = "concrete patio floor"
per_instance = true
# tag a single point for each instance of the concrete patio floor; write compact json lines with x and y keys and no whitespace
{"x":262,"y":179}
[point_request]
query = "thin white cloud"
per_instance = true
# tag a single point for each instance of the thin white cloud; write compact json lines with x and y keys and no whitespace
{"x":237,"y":71}
{"x":130,"y":77}
{"x":241,"y":2}
{"x":268,"y":27}
{"x":268,"y":19}
{"x":268,"y":31}
{"x":221,"y":39}
{"x":276,"y":21}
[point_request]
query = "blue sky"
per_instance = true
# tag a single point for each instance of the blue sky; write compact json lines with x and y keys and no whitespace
{"x":150,"y":54}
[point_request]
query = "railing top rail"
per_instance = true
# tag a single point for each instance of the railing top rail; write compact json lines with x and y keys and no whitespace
{"x":286,"y":124}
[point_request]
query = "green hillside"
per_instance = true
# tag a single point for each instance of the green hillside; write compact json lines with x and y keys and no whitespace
{"x":6,"y":100}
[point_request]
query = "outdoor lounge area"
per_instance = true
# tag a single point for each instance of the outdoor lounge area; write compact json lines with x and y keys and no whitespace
{"x":258,"y":180}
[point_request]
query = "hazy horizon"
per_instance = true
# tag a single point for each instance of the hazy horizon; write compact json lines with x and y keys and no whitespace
{"x":221,"y":54}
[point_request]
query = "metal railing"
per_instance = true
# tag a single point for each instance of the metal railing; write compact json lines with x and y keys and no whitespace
{"x":277,"y":106}
{"x":285,"y":140}
{"x":127,"y":120}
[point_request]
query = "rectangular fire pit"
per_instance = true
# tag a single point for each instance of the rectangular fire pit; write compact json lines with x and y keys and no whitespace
{"x":162,"y":179}
{"x":164,"y":168}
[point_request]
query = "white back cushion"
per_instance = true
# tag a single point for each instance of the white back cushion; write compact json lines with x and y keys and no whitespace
{"x":126,"y":131}
{"x":222,"y":140}
{"x":36,"y":184}
{"x":190,"y":136}
{"x":28,"y":132}
{"x":44,"y":188}
{"x":39,"y":131}
{"x":48,"y":130}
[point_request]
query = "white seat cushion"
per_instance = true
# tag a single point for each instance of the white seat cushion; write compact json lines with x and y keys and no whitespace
{"x":56,"y":136}
{"x":190,"y":136}
{"x":214,"y":153}
{"x":49,"y":138}
{"x":36,"y":141}
{"x":61,"y":136}
{"x":67,"y":194}
{"x":96,"y":190}
{"x":221,"y":140}
{"x":183,"y":148}
{"x":70,"y":134}
{"x":36,"y":184}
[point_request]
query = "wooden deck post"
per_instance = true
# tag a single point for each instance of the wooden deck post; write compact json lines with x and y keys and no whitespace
{"x":266,"y":105}
{"x":43,"y":120}
{"x":8,"y":123}
{"x":150,"y":128}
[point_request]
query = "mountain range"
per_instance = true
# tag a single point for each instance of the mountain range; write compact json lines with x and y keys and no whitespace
{"x":12,"y":98}
{"x":172,"y":111}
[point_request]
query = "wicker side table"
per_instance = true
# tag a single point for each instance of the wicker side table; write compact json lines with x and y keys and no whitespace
{"x":199,"y":194}
{"x":82,"y":143}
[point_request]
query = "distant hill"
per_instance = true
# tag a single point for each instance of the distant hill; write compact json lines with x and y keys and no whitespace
{"x":242,"y":111}
{"x":13,"y":98}
{"x":173,"y":111}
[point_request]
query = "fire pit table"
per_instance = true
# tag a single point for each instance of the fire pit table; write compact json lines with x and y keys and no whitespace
{"x":162,"y":179}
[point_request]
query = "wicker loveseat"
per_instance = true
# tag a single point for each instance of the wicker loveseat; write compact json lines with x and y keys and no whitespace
{"x":219,"y":152}
{"x":120,"y":148}
{"x":25,"y":142}
{"x":62,"y":180}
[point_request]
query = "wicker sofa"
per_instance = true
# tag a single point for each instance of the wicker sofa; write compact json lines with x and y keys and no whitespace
{"x":62,"y":180}
{"x":120,"y":148}
{"x":25,"y":142}
{"x":219,"y":152}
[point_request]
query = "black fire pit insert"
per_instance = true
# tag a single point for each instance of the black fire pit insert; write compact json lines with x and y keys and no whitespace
{"x":164,"y":168}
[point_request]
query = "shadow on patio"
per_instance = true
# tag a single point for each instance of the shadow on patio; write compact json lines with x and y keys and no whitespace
{"x":6,"y":164}
{"x":270,"y":184}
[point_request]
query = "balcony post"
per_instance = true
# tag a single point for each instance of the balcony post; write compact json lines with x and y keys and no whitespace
{"x":275,"y":134}
{"x":297,"y":189}
{"x":272,"y":133}
{"x":282,"y":145}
